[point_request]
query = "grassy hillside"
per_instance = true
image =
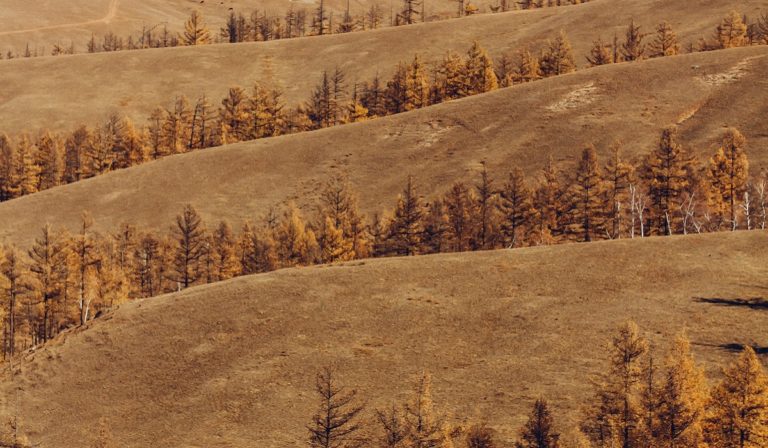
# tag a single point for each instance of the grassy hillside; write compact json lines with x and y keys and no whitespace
{"x":232,"y":364}
{"x":61,"y":92}
{"x":521,"y":126}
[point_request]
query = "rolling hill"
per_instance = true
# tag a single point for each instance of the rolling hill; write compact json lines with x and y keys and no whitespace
{"x":62,"y":92}
{"x":232,"y":364}
{"x":518,"y":126}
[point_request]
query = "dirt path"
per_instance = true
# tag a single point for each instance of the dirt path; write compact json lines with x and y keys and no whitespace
{"x":111,"y":13}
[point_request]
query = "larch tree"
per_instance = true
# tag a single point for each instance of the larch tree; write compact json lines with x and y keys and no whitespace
{"x":618,"y":178}
{"x":27,"y":171}
{"x":223,"y":250}
{"x":50,"y":160}
{"x":189,"y":234}
{"x":527,"y":67}
{"x":75,"y":151}
{"x":600,"y":53}
{"x":480,"y":436}
{"x":333,"y":244}
{"x":434,"y":236}
{"x":48,"y":259}
{"x":539,"y":430}
{"x":233,"y":116}
{"x":682,"y":399}
{"x":195,"y":30}
{"x":633,"y":48}
{"x":416,"y":85}
{"x":86,"y":257}
{"x":728,"y":175}
{"x":8,"y":184}
{"x":296,"y":242}
{"x":459,"y":205}
{"x":548,"y":202}
{"x":407,"y":223}
{"x":479,"y":75}
{"x":393,"y":428}
{"x":614,"y":416}
{"x":450,"y":80}
{"x":515,"y":207}
{"x":148,"y":266}
{"x":664,"y":42}
{"x":486,"y":211}
{"x":425,"y":428}
{"x":410,"y":12}
{"x":586,"y":205}
{"x":11,"y":269}
{"x":666,"y":172}
{"x":737,"y":412}
{"x":557,"y":57}
{"x":336,"y":424}
{"x":732,"y":31}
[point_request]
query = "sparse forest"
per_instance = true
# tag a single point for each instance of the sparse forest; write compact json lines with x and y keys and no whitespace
{"x":640,"y":400}
{"x":66,"y":278}
{"x":33,"y":163}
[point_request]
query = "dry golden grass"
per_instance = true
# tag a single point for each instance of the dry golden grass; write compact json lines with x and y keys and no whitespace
{"x":61,"y":92}
{"x":232,"y":364}
{"x":520,"y":126}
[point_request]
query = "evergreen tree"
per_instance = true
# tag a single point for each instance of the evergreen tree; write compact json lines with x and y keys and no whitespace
{"x":557,"y":58}
{"x":516,"y":208}
{"x":665,"y":41}
{"x":195,"y":30}
{"x":539,"y":431}
{"x":728,"y":176}
{"x":738,"y":409}
{"x":633,"y":48}
{"x":336,"y":422}
{"x":189,"y":234}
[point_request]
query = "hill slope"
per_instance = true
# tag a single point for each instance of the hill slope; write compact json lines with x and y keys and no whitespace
{"x":520,"y":126}
{"x":232,"y":364}
{"x":61,"y":92}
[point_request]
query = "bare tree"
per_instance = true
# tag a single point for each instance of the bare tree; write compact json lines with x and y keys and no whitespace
{"x":335,"y":425}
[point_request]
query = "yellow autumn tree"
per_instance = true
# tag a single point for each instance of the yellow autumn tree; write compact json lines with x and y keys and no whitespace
{"x":195,"y":30}
{"x":732,"y":31}
{"x":738,"y":408}
{"x":728,"y":176}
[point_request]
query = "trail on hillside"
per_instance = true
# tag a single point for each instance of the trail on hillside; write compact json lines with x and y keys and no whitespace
{"x":111,"y":14}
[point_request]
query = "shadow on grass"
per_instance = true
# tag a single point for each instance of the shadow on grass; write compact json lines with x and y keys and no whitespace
{"x":755,"y":303}
{"x":736,"y":347}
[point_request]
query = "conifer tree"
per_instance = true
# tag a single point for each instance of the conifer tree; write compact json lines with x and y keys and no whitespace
{"x":195,"y":30}
{"x":666,"y":172}
{"x":633,"y":48}
{"x":266,"y":113}
{"x":450,"y":80}
{"x":527,"y":67}
{"x":504,"y":71}
{"x":682,"y":400}
{"x":48,"y":259}
{"x":416,"y":86}
{"x":539,"y":431}
{"x":587,"y":197}
{"x":737,"y":414}
{"x":320,"y":20}
{"x":394,"y":430}
{"x":479,"y":75}
{"x":407,"y":224}
{"x":728,"y":176}
{"x":410,"y":12}
{"x":516,"y":208}
{"x":347,"y":24}
{"x":334,"y":246}
{"x":425,"y":427}
{"x":296,"y":244}
{"x":338,"y":202}
{"x":396,"y":92}
{"x":223,"y":253}
{"x":664,"y":42}
{"x":459,"y":204}
{"x":233,"y":116}
{"x":148,"y":265}
{"x":11,"y":269}
{"x":600,"y":53}
{"x":480,"y":436}
{"x":130,"y":146}
{"x":75,"y":153}
{"x":86,"y":258}
{"x":50,"y":160}
{"x":486,"y":207}
{"x":27,"y":171}
{"x":374,"y":98}
{"x":336,"y":424}
{"x":189,"y":234}
{"x":618,"y":178}
{"x":434,"y":237}
{"x":557,"y":58}
{"x":548,"y":203}
{"x":732,"y":31}
{"x":321,"y":105}
{"x":8,"y":160}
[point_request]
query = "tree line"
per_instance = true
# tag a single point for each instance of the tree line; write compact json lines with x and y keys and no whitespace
{"x":64,"y":278}
{"x":260,"y":25}
{"x":637,"y":403}
{"x":30,"y":164}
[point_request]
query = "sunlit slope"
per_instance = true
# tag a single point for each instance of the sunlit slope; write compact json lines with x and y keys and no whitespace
{"x":62,"y":92}
{"x":519,"y":126}
{"x":232,"y":364}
